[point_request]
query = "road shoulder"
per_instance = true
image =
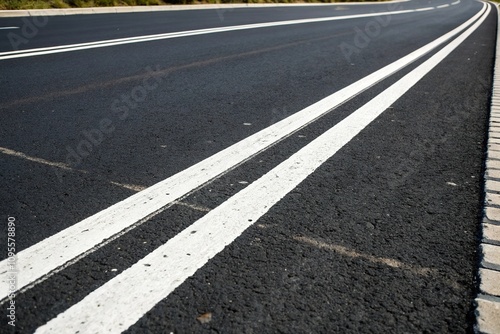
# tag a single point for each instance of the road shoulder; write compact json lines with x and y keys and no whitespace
{"x":488,"y":299}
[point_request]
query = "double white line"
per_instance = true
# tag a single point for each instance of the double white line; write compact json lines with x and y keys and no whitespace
{"x":140,"y":39}
{"x":122,"y":301}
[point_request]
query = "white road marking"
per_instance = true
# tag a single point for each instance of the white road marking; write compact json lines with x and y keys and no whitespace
{"x":139,"y":39}
{"x":8,"y":28}
{"x":118,"y":304}
{"x":46,"y":257}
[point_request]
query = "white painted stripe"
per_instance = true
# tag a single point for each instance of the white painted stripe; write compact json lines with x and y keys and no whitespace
{"x":443,"y":6}
{"x":7,"y":28}
{"x":140,"y":39}
{"x":123,"y":300}
{"x":84,"y":237}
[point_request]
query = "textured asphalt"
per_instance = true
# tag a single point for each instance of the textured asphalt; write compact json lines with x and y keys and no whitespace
{"x":407,"y":188}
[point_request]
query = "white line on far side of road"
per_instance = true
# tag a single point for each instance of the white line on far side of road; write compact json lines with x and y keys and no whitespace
{"x":122,"y":301}
{"x":73,"y":243}
{"x":7,"y":28}
{"x":139,"y":39}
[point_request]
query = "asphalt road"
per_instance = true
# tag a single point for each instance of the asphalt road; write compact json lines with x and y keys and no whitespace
{"x":378,"y":236}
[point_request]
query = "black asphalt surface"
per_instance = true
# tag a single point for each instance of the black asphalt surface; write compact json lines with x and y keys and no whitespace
{"x":407,"y":188}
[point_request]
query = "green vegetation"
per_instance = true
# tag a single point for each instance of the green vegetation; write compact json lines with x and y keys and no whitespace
{"x":44,"y":4}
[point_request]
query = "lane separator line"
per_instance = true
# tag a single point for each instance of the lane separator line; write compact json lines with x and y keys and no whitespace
{"x":122,"y":301}
{"x":155,"y":37}
{"x":66,"y":247}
